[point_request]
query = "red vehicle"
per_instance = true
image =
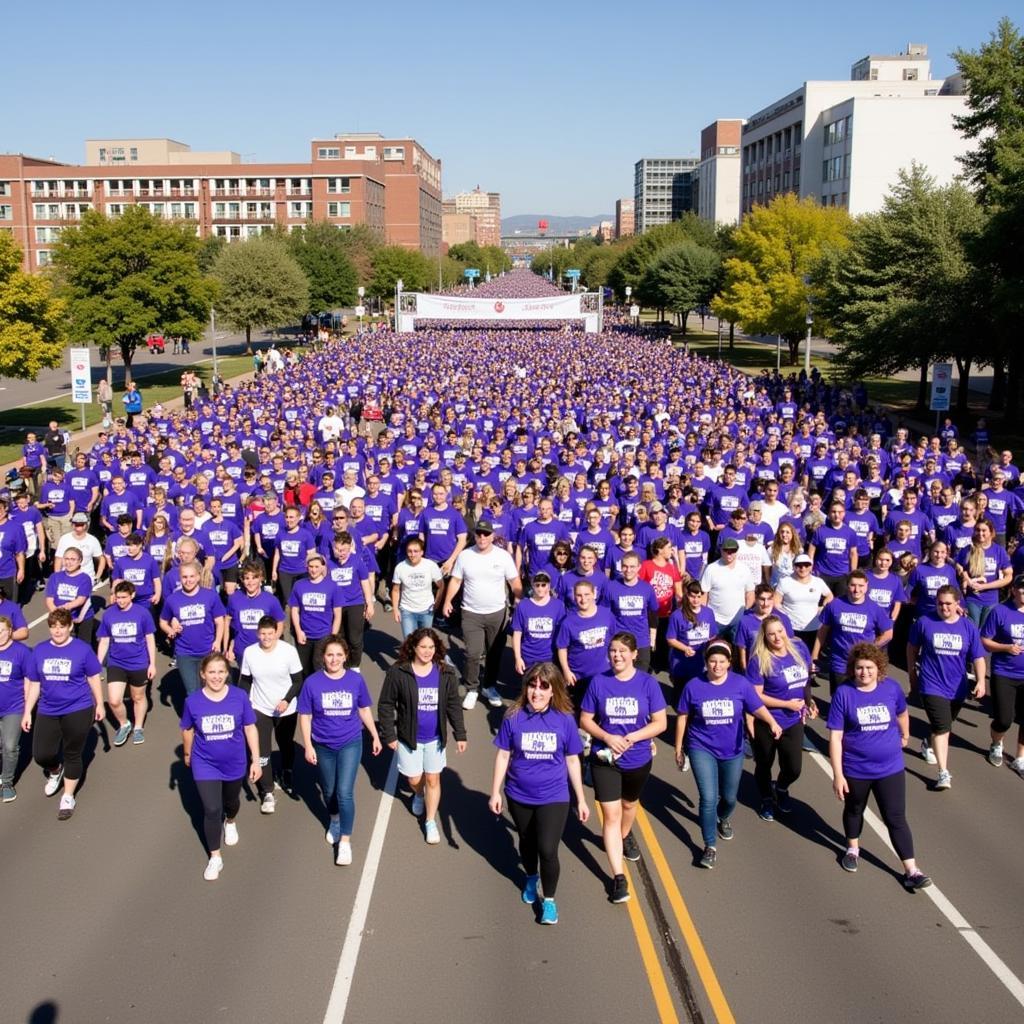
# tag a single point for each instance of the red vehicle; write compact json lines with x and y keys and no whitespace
{"x":372,"y":411}
{"x":155,"y":344}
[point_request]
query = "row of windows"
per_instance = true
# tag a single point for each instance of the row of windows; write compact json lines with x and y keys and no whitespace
{"x":63,"y":187}
{"x":781,"y":183}
{"x":116,"y":154}
{"x":836,"y":131}
{"x":835,"y":169}
{"x":834,"y":200}
{"x":59,"y":211}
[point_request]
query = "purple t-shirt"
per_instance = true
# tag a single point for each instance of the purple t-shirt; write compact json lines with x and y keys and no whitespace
{"x":63,"y":676}
{"x":885,"y":591}
{"x":947,"y":650}
{"x":923,"y":584}
{"x":196,"y":613}
{"x":428,"y":693}
{"x":316,"y":603}
{"x":220,"y":537}
{"x":334,"y":705}
{"x":348,"y":579}
{"x":1005,"y":625}
{"x":695,"y":547}
{"x":218,"y":750}
{"x":12,"y":542}
{"x":141,"y":572}
{"x":851,"y":624}
{"x":14,"y":667}
{"x":586,"y":640}
{"x":750,"y":624}
{"x":715,"y":714}
{"x":623,"y":707}
{"x":127,"y":631}
{"x":871,"y":732}
{"x":246,"y":612}
{"x":294,"y":547}
{"x":62,"y":587}
{"x":538,"y":625}
{"x":696,"y":635}
{"x":635,"y":608}
{"x":442,"y":527}
{"x":14,"y":613}
{"x":996,"y":560}
{"x":786,"y":680}
{"x":832,"y":547}
{"x":539,"y":742}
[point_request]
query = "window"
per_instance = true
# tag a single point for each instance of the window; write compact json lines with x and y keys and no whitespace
{"x":6,"y":213}
{"x":47,"y":234}
{"x":133,"y":153}
{"x":43,"y":258}
{"x":339,"y":209}
{"x":910,"y":74}
{"x":336,"y":186}
{"x":873,"y":74}
{"x":114,"y":209}
{"x":394,"y":152}
{"x":328,"y":153}
{"x":103,"y":154}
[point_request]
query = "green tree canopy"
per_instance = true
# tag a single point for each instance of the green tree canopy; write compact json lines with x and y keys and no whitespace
{"x":320,"y":250}
{"x":640,"y":252}
{"x":393,"y":262}
{"x":128,"y":276}
{"x":259,"y":285}
{"x":31,"y":319}
{"x":680,"y":278}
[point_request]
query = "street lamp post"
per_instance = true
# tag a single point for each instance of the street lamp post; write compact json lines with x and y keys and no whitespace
{"x":398,"y":299}
{"x":807,"y":349}
{"x":719,"y":337}
{"x":778,"y":353}
{"x":213,"y":339}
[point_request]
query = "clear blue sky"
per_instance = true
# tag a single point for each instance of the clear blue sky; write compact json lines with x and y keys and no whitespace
{"x":550,"y":104}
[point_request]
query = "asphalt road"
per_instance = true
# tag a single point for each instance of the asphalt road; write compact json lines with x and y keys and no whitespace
{"x":109,"y":919}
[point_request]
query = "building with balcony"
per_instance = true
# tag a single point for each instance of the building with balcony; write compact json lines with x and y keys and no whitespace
{"x":662,"y":190}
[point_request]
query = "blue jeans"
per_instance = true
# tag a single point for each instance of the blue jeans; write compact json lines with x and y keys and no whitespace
{"x":188,"y":669}
{"x":978,"y":612}
{"x":718,"y":782}
{"x":338,"y":769}
{"x":416,"y":620}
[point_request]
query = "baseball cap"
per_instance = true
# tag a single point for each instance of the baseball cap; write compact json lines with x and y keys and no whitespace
{"x":79,"y":517}
{"x":541,"y":577}
{"x":803,"y":560}
{"x":730,"y":544}
{"x":484,"y":526}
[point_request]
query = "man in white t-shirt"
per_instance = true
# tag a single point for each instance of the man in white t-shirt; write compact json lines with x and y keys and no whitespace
{"x":754,"y":555}
{"x":729,"y":588}
{"x":414,"y":586}
{"x":331,"y":425}
{"x":483,"y":573}
{"x":80,"y":537}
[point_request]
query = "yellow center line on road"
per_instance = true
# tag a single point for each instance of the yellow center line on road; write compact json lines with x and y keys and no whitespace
{"x":701,"y":961}
{"x":648,"y":954}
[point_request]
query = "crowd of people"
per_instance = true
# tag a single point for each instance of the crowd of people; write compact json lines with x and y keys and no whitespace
{"x":641,"y":527}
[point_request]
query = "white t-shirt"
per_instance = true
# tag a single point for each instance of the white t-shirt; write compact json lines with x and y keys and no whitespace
{"x":417,"y":582}
{"x":727,"y":588}
{"x":88,"y":545}
{"x":271,"y":673}
{"x":755,"y":557}
{"x":772,"y":513}
{"x":800,"y":601}
{"x":483,"y":579}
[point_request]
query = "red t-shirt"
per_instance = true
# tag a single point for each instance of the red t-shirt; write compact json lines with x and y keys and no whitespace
{"x":663,"y":579}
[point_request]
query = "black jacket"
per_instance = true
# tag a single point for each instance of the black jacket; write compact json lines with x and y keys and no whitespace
{"x":397,"y":707}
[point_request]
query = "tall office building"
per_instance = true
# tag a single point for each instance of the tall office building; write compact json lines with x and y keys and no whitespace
{"x":662,"y":189}
{"x":484,"y":208}
{"x":717,"y":179}
{"x":844,"y":142}
{"x":625,"y":217}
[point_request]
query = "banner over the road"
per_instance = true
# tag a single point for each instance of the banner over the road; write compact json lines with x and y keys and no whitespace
{"x":451,"y":308}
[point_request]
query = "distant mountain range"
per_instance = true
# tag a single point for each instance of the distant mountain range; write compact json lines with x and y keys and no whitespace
{"x":527,"y":223}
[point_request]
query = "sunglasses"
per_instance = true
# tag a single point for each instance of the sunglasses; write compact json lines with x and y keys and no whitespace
{"x":538,"y":684}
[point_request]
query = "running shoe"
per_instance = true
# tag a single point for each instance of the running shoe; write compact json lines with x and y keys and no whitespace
{"x":288,"y":782}
{"x":230,"y":833}
{"x":469,"y":701}
{"x":8,"y":795}
{"x":529,"y":893}
{"x":549,"y":912}
{"x":630,"y":847}
{"x":53,"y":781}
{"x":944,"y":781}
{"x":138,"y":737}
{"x":850,"y":861}
{"x":67,"y":807}
{"x":725,"y":828}
{"x":172,"y":662}
{"x":995,"y":754}
{"x":417,"y":804}
{"x":620,"y":889}
{"x":433,"y":836}
{"x":122,"y":734}
{"x":493,"y":698}
{"x":709,"y":857}
{"x":767,"y":812}
{"x":344,"y":857}
{"x":783,"y":802}
{"x":268,"y":804}
{"x":213,"y":869}
{"x":1017,"y":764}
{"x":927,"y":753}
{"x":386,"y":606}
{"x":916,"y":880}
{"x":333,"y":833}
{"x":685,"y":767}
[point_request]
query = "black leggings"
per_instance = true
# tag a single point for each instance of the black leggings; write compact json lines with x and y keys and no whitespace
{"x":540,"y":828}
{"x":220,"y":800}
{"x":353,"y":623}
{"x":311,"y":655}
{"x":53,"y":731}
{"x":790,"y":750}
{"x":1007,"y":702}
{"x":282,"y":728}
{"x":891,"y":797}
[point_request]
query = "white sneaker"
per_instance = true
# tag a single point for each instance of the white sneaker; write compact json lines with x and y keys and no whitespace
{"x":418,"y":805}
{"x":432,"y":833}
{"x":333,"y":833}
{"x":927,"y":753}
{"x":944,"y":781}
{"x":230,"y":833}
{"x":269,"y":804}
{"x":53,"y":782}
{"x":469,"y":701}
{"x":1017,"y":764}
{"x":344,"y":856}
{"x":493,"y":698}
{"x":213,"y":869}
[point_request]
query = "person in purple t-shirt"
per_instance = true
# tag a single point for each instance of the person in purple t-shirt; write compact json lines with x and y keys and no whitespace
{"x":246,"y":606}
{"x":537,"y":760}
{"x":196,"y":620}
{"x":15,"y":659}
{"x":582,"y":639}
{"x":217,"y":725}
{"x":1003,"y":636}
{"x":833,"y":546}
{"x":869,"y":726}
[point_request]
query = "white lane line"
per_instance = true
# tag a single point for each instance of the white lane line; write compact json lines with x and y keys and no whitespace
{"x":988,"y":955}
{"x":361,"y":907}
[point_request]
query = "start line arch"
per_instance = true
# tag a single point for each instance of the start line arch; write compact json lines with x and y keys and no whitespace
{"x":416,"y":307}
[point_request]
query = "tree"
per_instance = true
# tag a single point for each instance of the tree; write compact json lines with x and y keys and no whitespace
{"x":209,"y":249}
{"x":680,"y":278}
{"x":641,"y":251}
{"x":319,"y":249}
{"x":393,"y":262}
{"x":128,"y":276}
{"x":765,"y":287}
{"x":260,"y":285}
{"x":360,"y":243}
{"x":31,"y":319}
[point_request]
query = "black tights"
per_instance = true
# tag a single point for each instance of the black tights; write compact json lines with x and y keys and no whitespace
{"x":790,"y":750}
{"x":540,"y":828}
{"x":51,"y":732}
{"x":282,"y":728}
{"x":220,"y":800}
{"x":891,"y":797}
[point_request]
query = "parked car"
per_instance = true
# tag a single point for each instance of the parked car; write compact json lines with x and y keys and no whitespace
{"x":155,"y":344}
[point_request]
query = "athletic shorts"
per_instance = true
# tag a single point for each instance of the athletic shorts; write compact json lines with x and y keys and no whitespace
{"x":131,"y":676}
{"x":941,"y":711}
{"x":611,"y":783}
{"x":427,"y":757}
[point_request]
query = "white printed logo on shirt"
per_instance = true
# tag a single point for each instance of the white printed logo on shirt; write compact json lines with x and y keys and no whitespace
{"x":544,"y":743}
{"x":873,"y":717}
{"x":853,"y":622}
{"x":428,"y":698}
{"x":717,"y":712}
{"x":337,"y":703}
{"x":621,"y":709}
{"x":631,"y":603}
{"x":191,"y":614}
{"x":57,"y":666}
{"x":947,"y":643}
{"x":591,"y":639}
{"x":217,"y":727}
{"x":540,"y":625}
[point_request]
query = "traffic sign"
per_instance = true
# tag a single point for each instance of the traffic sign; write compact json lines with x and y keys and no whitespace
{"x":572,"y":273}
{"x":471,"y":272}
